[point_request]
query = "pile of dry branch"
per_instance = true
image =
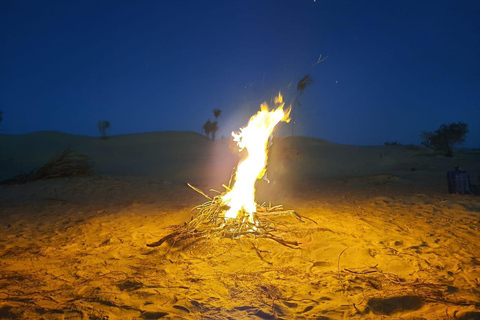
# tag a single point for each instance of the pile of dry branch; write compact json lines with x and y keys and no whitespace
{"x":209,"y":221}
{"x":65,"y":164}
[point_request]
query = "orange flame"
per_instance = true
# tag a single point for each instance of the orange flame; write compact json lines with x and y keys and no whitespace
{"x":255,"y":138}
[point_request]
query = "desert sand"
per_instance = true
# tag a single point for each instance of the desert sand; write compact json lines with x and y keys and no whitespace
{"x":389,"y":241}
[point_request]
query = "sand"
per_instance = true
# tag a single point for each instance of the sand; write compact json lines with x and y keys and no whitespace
{"x":389,"y":243}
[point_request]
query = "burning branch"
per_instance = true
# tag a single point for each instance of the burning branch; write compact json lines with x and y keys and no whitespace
{"x":233,"y":213}
{"x":210,"y":221}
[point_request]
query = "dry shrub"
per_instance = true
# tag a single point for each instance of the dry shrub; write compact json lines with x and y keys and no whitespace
{"x":65,"y":164}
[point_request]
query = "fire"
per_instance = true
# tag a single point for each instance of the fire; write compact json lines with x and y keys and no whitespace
{"x":255,"y":138}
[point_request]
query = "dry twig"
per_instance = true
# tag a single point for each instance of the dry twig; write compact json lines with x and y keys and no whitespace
{"x":209,"y":221}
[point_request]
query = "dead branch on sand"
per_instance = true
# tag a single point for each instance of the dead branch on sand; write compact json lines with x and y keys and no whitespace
{"x":210,"y":222}
{"x":65,"y":164}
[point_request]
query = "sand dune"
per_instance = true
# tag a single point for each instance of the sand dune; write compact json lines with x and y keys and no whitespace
{"x":389,"y":241}
{"x":189,"y":156}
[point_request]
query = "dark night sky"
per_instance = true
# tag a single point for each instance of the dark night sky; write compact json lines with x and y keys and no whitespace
{"x":402,"y":67}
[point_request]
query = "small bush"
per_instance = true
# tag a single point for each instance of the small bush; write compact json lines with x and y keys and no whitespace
{"x":445,"y":137}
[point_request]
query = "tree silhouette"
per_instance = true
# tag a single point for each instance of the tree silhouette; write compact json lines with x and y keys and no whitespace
{"x":304,"y":83}
{"x":206,"y":128}
{"x":214,"y":129}
{"x":301,"y":86}
{"x":216,"y":113}
{"x":445,"y":137}
{"x":103,"y":125}
{"x":210,"y":128}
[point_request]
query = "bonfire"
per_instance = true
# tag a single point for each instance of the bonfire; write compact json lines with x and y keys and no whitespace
{"x":234,"y":212}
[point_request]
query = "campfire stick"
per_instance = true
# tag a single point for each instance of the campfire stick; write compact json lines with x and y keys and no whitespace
{"x":210,"y":222}
{"x":199,"y":191}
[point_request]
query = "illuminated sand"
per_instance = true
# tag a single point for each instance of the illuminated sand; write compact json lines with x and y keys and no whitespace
{"x":389,"y":244}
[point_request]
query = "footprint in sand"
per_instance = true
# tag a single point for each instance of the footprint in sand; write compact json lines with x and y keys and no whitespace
{"x":393,"y":305}
{"x":472,"y":315}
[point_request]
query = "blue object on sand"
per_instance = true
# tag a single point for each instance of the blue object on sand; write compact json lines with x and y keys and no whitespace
{"x":458,"y":182}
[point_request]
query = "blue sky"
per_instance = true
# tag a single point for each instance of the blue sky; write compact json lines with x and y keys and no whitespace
{"x":394,"y":68}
